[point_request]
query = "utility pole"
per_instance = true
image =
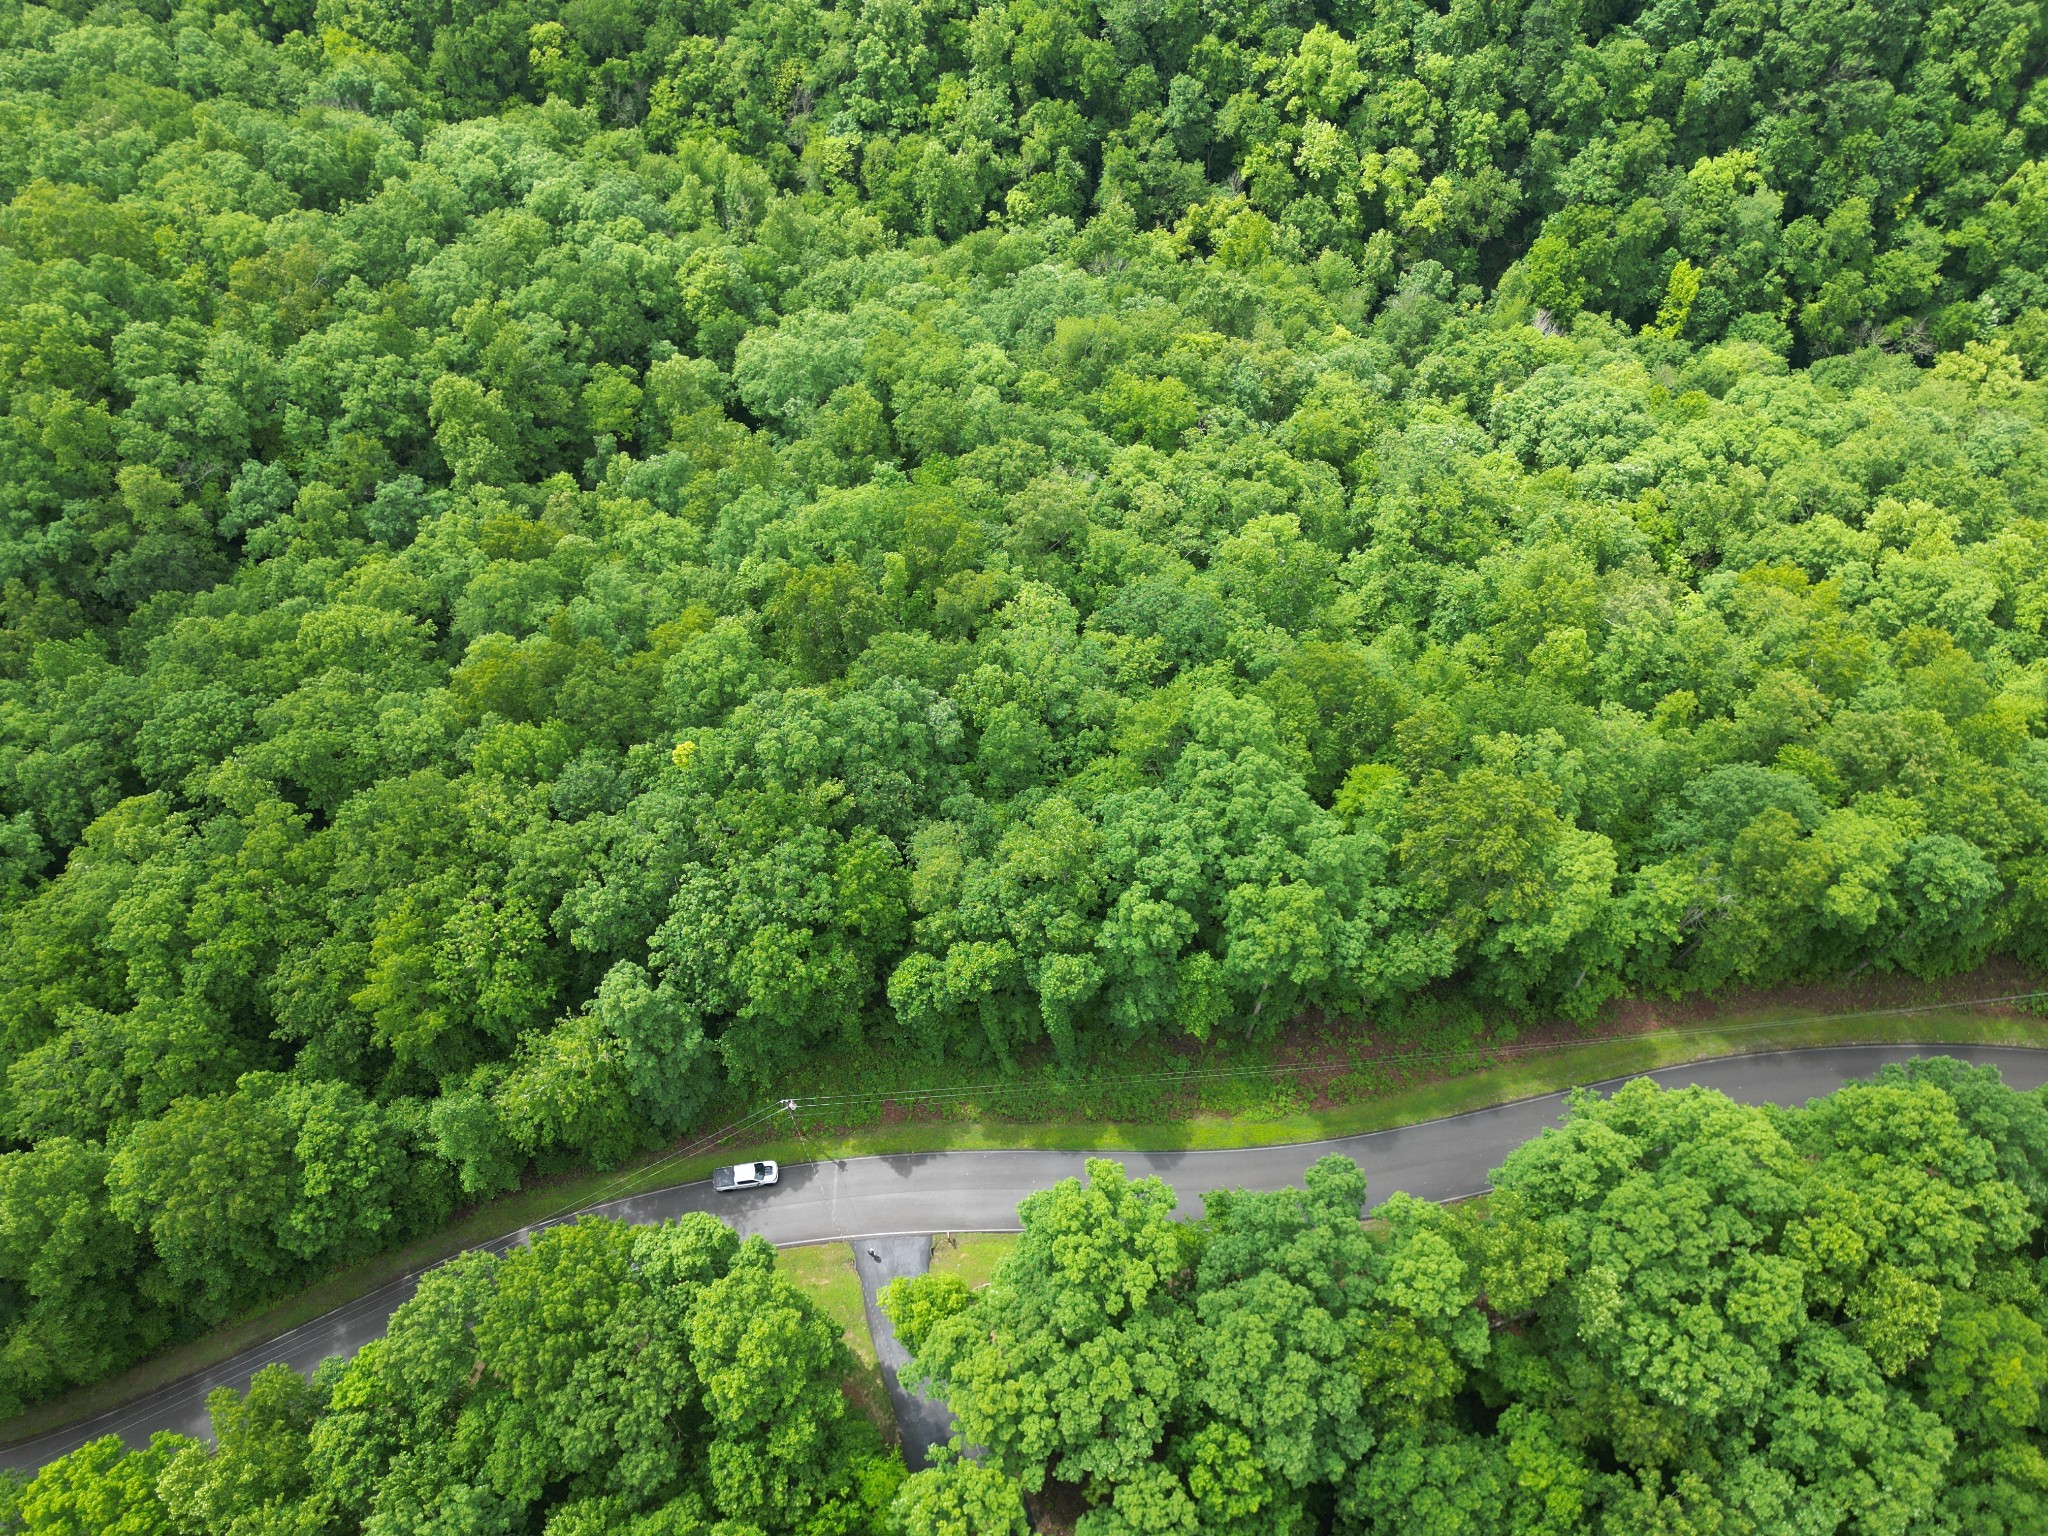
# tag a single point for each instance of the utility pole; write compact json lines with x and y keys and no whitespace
{"x":789,"y":1108}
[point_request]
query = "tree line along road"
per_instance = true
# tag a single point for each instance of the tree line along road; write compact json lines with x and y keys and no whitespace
{"x":933,"y":1192}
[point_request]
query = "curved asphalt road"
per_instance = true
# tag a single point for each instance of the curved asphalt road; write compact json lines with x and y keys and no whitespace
{"x":978,"y":1192}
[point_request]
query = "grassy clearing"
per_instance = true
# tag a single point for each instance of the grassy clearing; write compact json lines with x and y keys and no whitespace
{"x":1389,"y":1091}
{"x":972,"y":1256}
{"x":824,"y":1272}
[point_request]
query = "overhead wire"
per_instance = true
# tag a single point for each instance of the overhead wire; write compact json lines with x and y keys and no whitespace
{"x":1508,"y":1049}
{"x":637,"y":1179}
{"x":614,"y":1187}
{"x":617,"y":1186}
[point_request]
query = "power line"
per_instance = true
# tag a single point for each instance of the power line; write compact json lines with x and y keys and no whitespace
{"x":616,"y":1186}
{"x":613,"y":1187}
{"x":1510,"y":1049}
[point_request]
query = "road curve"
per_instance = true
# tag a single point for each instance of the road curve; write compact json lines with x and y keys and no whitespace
{"x":978,"y":1192}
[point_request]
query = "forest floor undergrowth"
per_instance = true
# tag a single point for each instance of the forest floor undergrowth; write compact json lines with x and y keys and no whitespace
{"x":1314,"y":1080}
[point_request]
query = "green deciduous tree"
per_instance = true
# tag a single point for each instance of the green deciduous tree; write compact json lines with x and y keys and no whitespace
{"x":566,"y":562}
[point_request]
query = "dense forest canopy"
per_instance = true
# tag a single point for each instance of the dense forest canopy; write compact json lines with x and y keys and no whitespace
{"x":558,"y":565}
{"x":1677,"y":1315}
{"x":605,"y":1381}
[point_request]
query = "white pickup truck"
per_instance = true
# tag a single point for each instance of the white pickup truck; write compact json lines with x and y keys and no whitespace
{"x":745,"y":1176}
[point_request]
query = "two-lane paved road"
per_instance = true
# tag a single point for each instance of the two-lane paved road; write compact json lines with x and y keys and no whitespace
{"x":978,"y":1192}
